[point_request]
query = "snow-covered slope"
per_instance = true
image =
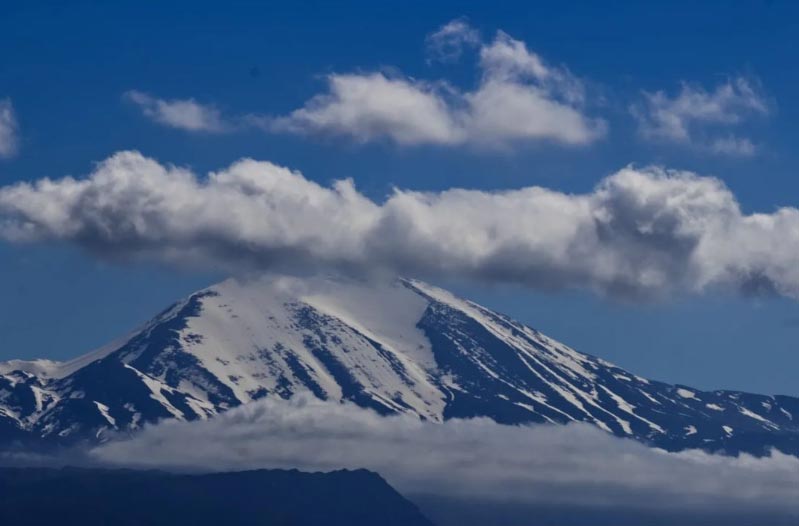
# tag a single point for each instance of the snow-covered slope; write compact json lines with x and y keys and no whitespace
{"x":403,"y":346}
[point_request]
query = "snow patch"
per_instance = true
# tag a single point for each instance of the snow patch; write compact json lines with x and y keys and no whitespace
{"x":728,"y":430}
{"x":750,"y":414}
{"x":104,"y":410}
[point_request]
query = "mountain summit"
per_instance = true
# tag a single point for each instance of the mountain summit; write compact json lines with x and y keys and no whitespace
{"x":397,"y":347}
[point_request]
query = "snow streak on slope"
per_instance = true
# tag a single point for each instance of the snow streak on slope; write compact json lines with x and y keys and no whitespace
{"x":397,"y":347}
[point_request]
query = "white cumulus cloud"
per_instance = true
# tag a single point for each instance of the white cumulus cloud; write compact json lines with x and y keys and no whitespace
{"x":183,"y":114}
{"x":641,"y":232}
{"x":518,"y":98}
{"x":370,"y":106}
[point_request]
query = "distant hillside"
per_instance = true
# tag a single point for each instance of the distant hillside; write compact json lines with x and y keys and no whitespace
{"x":96,"y":497}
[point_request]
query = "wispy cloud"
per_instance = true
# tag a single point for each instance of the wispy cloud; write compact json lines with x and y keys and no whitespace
{"x":695,"y":116}
{"x":183,"y":114}
{"x":641,"y":232}
{"x":447,"y":43}
{"x":734,"y":146}
{"x":566,"y":466}
{"x":519,"y":98}
{"x":8,"y":129}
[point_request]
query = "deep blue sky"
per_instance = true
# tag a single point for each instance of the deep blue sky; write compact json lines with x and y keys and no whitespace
{"x":66,"y":68}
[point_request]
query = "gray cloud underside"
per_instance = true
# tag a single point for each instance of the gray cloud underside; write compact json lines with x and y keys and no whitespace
{"x":472,"y":459}
{"x":640,"y":233}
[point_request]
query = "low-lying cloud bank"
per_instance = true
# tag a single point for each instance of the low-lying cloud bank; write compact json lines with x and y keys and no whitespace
{"x":575,"y":465}
{"x":642,"y":232}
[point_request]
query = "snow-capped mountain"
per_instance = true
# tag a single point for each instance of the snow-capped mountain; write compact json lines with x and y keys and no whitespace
{"x":403,"y":346}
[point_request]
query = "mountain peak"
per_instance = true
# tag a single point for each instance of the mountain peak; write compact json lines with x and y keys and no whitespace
{"x":395,"y":346}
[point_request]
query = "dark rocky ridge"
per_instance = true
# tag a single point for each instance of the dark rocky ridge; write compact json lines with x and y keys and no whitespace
{"x":96,"y":497}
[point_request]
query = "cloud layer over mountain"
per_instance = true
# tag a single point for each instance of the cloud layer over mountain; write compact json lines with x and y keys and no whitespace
{"x":571,"y":465}
{"x":641,"y":232}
